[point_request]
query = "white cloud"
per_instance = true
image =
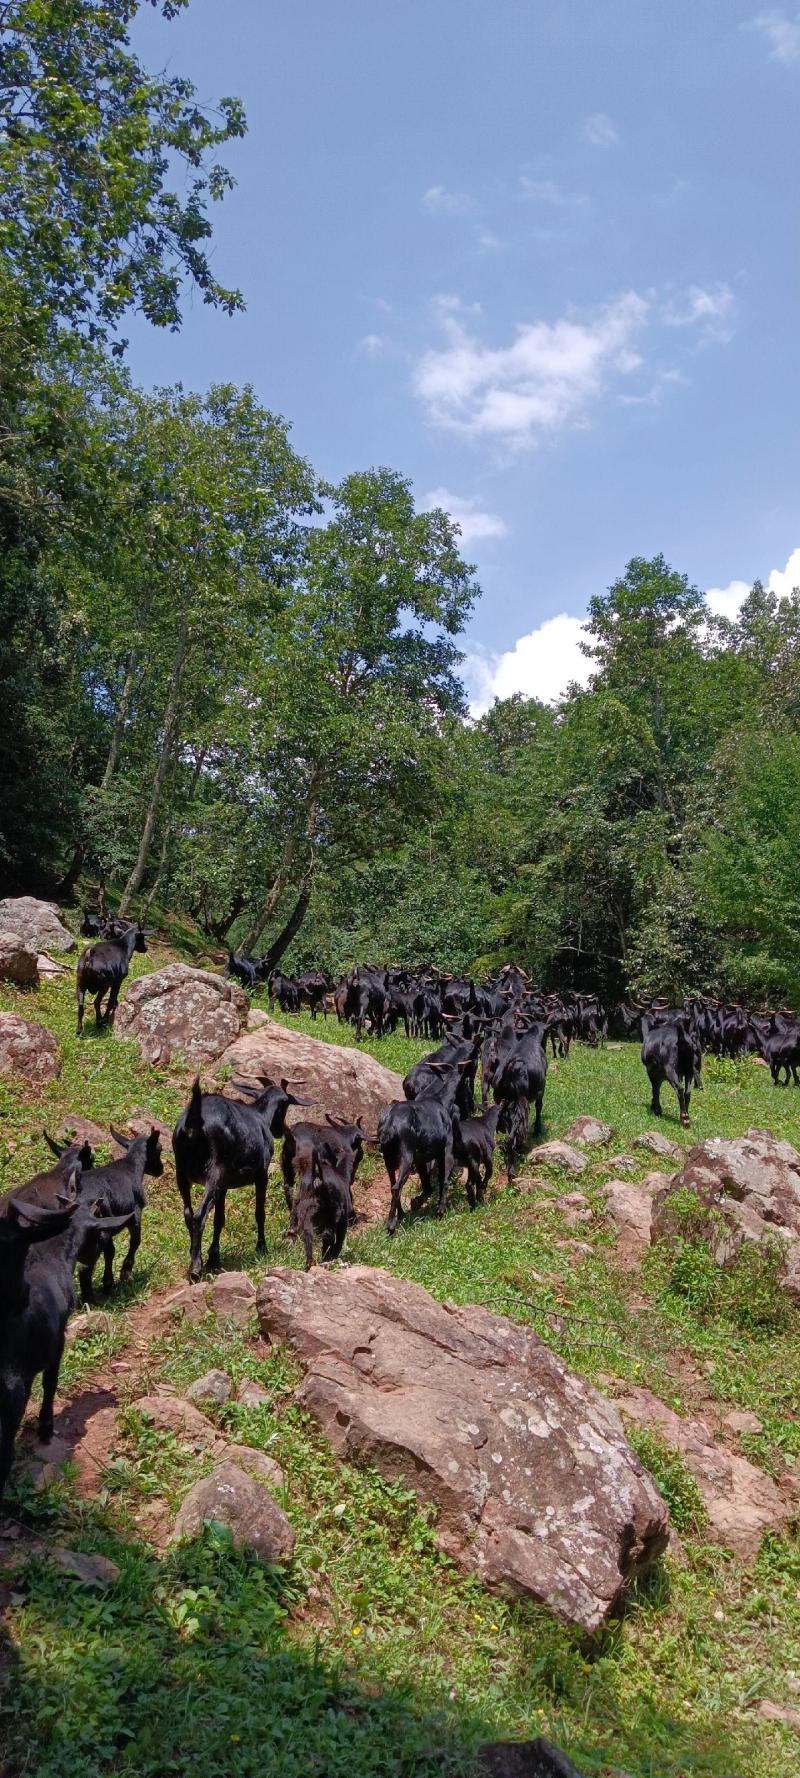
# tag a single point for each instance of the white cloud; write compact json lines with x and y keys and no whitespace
{"x":540,"y":665}
{"x":373,"y":344}
{"x":547,"y":191}
{"x":474,"y":521}
{"x":712,"y":310}
{"x":545,"y":380}
{"x":725,"y":601}
{"x":601,"y":130}
{"x":782,"y":34}
{"x":439,"y":201}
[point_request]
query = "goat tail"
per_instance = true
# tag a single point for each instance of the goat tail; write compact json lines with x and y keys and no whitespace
{"x":194,"y":1109}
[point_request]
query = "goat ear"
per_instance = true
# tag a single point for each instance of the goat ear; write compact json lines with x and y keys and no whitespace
{"x":56,"y":1148}
{"x":122,"y":1141}
{"x":36,"y":1216}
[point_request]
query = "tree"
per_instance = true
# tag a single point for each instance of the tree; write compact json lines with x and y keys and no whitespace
{"x":89,"y":225}
{"x":350,"y":726}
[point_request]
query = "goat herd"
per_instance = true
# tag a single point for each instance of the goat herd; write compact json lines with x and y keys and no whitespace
{"x":64,"y":1220}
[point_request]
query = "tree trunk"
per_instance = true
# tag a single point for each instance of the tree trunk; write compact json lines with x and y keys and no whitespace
{"x":168,"y":741}
{"x":254,"y":932}
{"x":281,"y":943}
{"x":120,"y":719}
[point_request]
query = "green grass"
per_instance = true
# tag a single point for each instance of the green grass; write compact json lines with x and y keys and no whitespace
{"x":374,"y":1656}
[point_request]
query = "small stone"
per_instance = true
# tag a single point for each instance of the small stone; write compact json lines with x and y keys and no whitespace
{"x":655,"y":1143}
{"x":742,"y":1420}
{"x":250,"y":1393}
{"x":83,"y":1327}
{"x":558,"y":1154}
{"x":172,"y":1413}
{"x":229,"y":1496}
{"x":18,"y":962}
{"x":779,"y":1713}
{"x":92,"y":1571}
{"x":213,"y":1386}
{"x":590,"y":1131}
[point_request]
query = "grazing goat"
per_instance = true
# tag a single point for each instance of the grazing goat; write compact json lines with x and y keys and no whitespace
{"x":473,"y":1147}
{"x":102,"y":969}
{"x":322,"y":1205}
{"x":227,"y":1145}
{"x":243,"y":969}
{"x":671,"y":1053}
{"x":38,"y":1249}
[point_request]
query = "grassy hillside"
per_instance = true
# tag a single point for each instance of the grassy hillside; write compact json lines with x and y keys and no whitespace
{"x":374,"y":1656}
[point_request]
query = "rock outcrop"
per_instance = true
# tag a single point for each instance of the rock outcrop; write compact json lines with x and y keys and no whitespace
{"x":18,"y":960}
{"x":28,"y":1049}
{"x":536,"y":1486}
{"x":750,"y":1188}
{"x":39,"y":923}
{"x":346,"y":1082}
{"x":740,"y":1500}
{"x":183,"y":1013}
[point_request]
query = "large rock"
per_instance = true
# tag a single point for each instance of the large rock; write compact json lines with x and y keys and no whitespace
{"x":655,"y":1143}
{"x":38,"y":922}
{"x":750,"y":1187}
{"x":230,"y":1496}
{"x":536,"y":1486}
{"x":18,"y":960}
{"x":28,"y":1049}
{"x":740,"y":1500}
{"x":343,"y":1081}
{"x":181,"y":1012}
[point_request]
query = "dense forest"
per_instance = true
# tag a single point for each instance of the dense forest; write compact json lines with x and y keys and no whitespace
{"x":230,"y":689}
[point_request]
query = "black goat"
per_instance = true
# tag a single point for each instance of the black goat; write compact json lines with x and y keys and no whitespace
{"x":671,"y":1053}
{"x":117,"y":1192}
{"x":341,"y":1145}
{"x":415,"y":1136}
{"x":473,"y":1147}
{"x":38,"y":1249}
{"x":102,"y":969}
{"x":49,"y":1190}
{"x":322,"y":1205}
{"x":226,"y":1145}
{"x":243,"y":969}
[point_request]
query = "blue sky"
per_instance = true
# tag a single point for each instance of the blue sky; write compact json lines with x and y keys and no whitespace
{"x":539,"y":255}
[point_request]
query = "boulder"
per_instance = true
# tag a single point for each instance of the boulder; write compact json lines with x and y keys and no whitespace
{"x":558,"y":1154}
{"x":536,"y":1487}
{"x":575,"y":1209}
{"x":346,"y":1082}
{"x":183,"y":1013}
{"x":750,"y":1187}
{"x":258,"y":1464}
{"x":229,"y":1496}
{"x":252,"y":1394}
{"x":590,"y":1131}
{"x":81,"y":1129}
{"x":214,"y":1386}
{"x":18,"y":960}
{"x":28,"y":1049}
{"x":39,"y":923}
{"x":655,"y":1143}
{"x":740,"y":1500}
